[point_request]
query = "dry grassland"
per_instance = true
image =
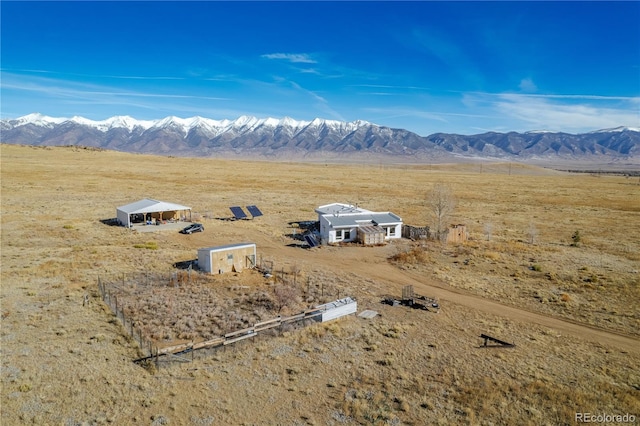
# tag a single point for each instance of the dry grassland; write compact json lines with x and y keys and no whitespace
{"x":572,"y":311}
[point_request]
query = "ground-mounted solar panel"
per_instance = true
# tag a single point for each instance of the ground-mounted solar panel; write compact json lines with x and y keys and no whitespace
{"x":310,"y":239}
{"x":254,"y":210}
{"x":238,"y":213}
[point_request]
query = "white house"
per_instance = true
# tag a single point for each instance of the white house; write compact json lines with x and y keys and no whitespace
{"x":343,"y":223}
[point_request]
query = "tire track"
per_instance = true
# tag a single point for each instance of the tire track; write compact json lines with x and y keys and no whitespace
{"x":622,"y":341}
{"x":382,"y":271}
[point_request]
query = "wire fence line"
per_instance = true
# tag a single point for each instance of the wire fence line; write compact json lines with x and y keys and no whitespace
{"x":146,"y":345}
{"x":115,"y":289}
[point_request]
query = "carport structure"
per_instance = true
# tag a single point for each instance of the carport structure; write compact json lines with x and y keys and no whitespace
{"x":151,"y":211}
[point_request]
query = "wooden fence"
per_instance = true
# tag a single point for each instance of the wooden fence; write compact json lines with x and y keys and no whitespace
{"x":230,"y":338}
{"x":453,"y":234}
{"x":415,"y":232}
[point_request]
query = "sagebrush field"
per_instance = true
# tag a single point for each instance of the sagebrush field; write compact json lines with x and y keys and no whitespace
{"x":569,"y":304}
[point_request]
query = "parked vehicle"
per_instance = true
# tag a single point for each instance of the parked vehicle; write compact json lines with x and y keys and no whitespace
{"x":194,"y":227}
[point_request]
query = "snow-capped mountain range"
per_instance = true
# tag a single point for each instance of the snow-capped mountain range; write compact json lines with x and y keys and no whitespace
{"x":184,"y":124}
{"x":289,"y":138}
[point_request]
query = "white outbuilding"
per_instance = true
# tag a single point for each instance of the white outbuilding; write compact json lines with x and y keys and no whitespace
{"x":344,"y":223}
{"x":338,"y":308}
{"x":227,"y":258}
{"x":151,"y":211}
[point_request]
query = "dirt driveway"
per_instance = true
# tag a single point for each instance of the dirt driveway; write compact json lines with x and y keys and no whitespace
{"x":371,"y":263}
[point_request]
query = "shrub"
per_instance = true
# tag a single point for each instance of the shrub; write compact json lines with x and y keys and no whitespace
{"x":576,"y":238}
{"x":149,"y":245}
{"x":492,"y":255}
{"x":416,"y":255}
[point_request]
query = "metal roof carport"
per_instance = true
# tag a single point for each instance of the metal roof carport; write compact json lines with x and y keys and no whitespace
{"x":147,"y":206}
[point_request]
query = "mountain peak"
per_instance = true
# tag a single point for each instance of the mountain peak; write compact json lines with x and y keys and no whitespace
{"x":38,"y":119}
{"x":288,"y":121}
{"x":618,"y":130}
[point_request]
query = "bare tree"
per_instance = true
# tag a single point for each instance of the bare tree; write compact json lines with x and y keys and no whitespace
{"x":295,"y":271}
{"x":532,"y":233}
{"x":441,"y":203}
{"x":488,"y":230}
{"x":285,"y":296}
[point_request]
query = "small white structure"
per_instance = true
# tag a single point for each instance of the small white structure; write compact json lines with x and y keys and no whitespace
{"x":341,"y":223}
{"x":227,"y":258}
{"x":368,"y":314}
{"x":148,"y":210}
{"x":338,"y":308}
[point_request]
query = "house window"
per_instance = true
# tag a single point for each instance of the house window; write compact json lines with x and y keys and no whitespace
{"x":392,"y":231}
{"x":347,"y":234}
{"x":338,"y":234}
{"x":230,"y":258}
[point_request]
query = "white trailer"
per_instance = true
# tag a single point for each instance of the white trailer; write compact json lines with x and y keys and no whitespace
{"x":338,"y":308}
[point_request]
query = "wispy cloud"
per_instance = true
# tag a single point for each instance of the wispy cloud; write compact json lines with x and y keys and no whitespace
{"x":321,"y":103}
{"x":46,"y":94}
{"x":378,"y":93}
{"x":291,"y":57}
{"x":527,"y":85}
{"x":388,"y":86}
{"x":571,"y":113}
{"x":635,"y":99}
{"x":26,"y":72}
{"x":450,"y":53}
{"x":309,"y":71}
{"x":422,"y":113}
{"x":140,"y":77}
{"x":67,"y":89}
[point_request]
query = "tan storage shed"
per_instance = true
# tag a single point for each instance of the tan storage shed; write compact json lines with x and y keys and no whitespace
{"x":457,"y":234}
{"x":227,"y":258}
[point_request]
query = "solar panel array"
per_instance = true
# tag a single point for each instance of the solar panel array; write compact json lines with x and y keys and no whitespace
{"x":238,"y":213}
{"x":310,"y":239}
{"x":254,"y":210}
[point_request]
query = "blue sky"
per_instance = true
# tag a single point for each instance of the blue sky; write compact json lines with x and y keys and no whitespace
{"x":456,"y":67}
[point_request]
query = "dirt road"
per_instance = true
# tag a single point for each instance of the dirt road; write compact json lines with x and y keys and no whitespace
{"x":375,"y":266}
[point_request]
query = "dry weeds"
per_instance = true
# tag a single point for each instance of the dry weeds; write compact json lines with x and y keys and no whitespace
{"x":64,"y":362}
